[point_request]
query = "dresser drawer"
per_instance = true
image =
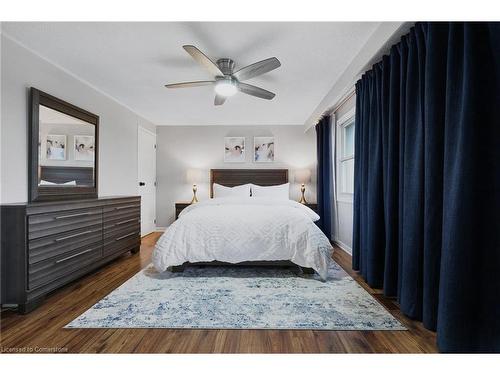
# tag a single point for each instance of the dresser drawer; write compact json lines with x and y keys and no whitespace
{"x":121,"y":219}
{"x":116,"y":208}
{"x":111,"y":213}
{"x":50,"y":270}
{"x":41,"y":225}
{"x":121,"y":246}
{"x":122,"y":238}
{"x":61,"y":243}
{"x":121,"y":228}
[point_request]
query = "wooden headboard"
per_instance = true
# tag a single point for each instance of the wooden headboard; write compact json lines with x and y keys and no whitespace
{"x":60,"y":174}
{"x":234,"y":177}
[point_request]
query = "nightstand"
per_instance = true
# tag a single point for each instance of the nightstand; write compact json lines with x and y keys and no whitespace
{"x":312,"y":206}
{"x":179,"y":207}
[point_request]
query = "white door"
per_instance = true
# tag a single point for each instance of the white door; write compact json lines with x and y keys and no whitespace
{"x":147,"y":179}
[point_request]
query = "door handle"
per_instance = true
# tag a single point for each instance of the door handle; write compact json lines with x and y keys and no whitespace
{"x":142,"y":183}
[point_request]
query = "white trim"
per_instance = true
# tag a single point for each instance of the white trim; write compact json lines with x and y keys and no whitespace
{"x":343,"y":246}
{"x":147,"y":130}
{"x":160,"y":229}
{"x":70,"y":73}
{"x":345,"y":200}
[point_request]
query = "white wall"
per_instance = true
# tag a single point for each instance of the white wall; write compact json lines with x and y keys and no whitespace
{"x":344,"y":202}
{"x":22,"y":69}
{"x":182,"y":147}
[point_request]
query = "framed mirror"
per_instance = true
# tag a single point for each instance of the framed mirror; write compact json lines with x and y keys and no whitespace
{"x":63,"y":149}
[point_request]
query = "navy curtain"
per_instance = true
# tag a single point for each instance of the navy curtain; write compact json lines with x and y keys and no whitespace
{"x":427,"y":181}
{"x":324,"y":174}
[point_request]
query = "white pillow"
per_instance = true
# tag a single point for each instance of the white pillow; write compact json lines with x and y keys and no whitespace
{"x":43,"y":182}
{"x":240,"y":191}
{"x":275,"y":192}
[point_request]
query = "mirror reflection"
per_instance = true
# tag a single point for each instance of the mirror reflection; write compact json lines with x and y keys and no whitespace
{"x":66,"y":150}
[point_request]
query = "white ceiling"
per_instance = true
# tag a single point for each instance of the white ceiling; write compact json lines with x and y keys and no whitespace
{"x":132,"y":61}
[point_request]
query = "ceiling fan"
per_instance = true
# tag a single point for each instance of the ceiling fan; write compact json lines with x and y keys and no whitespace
{"x":227,"y":82}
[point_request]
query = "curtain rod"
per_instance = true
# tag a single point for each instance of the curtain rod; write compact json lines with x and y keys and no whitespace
{"x":335,"y":107}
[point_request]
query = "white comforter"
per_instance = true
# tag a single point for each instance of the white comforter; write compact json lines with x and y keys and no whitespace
{"x":244,"y":229}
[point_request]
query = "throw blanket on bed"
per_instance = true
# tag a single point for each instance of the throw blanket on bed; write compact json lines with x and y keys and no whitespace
{"x":236,"y":230}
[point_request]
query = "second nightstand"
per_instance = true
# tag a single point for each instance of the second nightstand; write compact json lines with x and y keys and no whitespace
{"x":179,"y":207}
{"x":312,"y":206}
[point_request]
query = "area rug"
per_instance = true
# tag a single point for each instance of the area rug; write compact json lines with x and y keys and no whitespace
{"x":239,"y":298}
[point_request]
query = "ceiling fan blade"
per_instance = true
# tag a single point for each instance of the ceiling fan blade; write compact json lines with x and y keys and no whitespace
{"x":203,"y":60}
{"x":256,"y":69}
{"x":189,"y":84}
{"x":219,"y":100}
{"x":255,"y":91}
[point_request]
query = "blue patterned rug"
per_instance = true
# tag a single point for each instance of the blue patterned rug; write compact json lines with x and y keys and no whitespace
{"x":238,"y":298}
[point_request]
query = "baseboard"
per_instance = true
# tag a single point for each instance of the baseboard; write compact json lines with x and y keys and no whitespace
{"x":160,"y":229}
{"x":343,"y":246}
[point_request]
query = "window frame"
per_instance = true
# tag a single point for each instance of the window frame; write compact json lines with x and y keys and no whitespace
{"x":341,"y":124}
{"x":348,"y":122}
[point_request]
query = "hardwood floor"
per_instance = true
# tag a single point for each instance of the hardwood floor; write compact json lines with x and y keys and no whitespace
{"x":41,"y":330}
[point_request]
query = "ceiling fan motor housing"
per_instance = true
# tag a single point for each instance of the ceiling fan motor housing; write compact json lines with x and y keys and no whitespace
{"x":226,"y":66}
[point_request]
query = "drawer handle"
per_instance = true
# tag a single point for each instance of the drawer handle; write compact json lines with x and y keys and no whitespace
{"x":74,"y":235}
{"x":130,"y":206}
{"x":72,"y":215}
{"x":127,"y":221}
{"x":125,"y":236}
{"x":75,"y":255}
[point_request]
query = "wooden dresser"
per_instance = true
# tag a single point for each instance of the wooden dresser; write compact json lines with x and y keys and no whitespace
{"x":46,"y":245}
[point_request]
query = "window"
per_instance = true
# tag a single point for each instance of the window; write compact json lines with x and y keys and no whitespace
{"x":345,"y":157}
{"x":348,"y":134}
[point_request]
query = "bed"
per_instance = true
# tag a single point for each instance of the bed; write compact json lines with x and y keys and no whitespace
{"x":257,"y":231}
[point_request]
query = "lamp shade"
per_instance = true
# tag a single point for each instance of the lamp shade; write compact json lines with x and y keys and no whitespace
{"x":194,"y":176}
{"x":302,"y":176}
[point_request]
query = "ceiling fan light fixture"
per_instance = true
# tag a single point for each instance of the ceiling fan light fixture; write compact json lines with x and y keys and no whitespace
{"x":226,"y":82}
{"x":225,"y":88}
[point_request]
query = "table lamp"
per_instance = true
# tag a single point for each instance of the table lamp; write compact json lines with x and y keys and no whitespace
{"x":302,"y":176}
{"x":194,"y":176}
